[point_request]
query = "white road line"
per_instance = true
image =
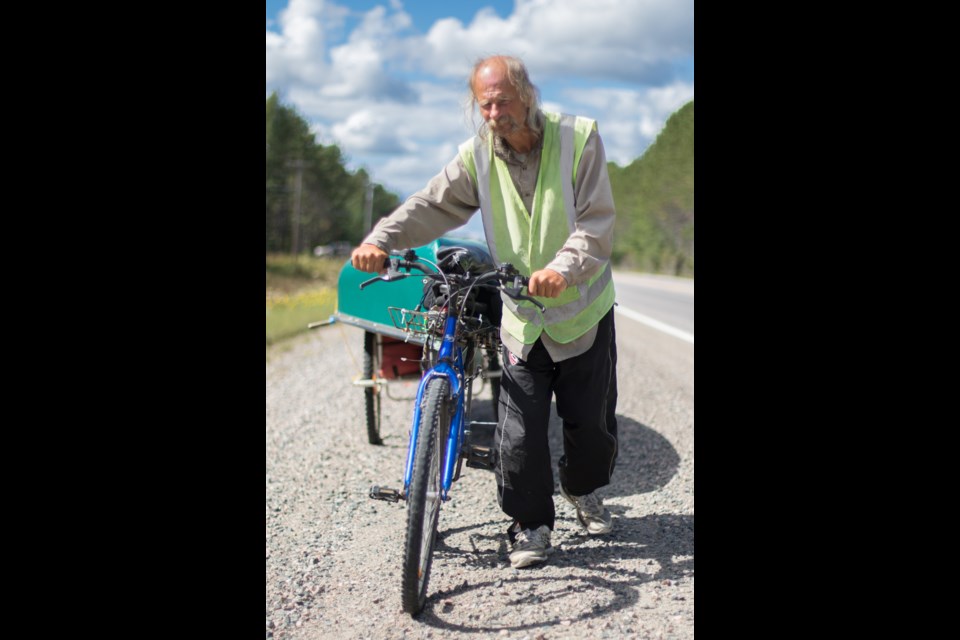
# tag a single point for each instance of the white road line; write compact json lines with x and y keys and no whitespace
{"x":656,"y":324}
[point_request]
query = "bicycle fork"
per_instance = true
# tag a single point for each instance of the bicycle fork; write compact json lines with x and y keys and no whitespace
{"x":448,"y":353}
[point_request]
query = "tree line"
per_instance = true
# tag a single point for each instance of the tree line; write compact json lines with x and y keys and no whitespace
{"x":654,"y":199}
{"x":312,"y":199}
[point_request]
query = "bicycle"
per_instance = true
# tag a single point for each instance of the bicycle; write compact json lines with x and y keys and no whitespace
{"x":456,"y":326}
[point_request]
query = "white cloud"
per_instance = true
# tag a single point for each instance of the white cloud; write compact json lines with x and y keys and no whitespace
{"x":403,"y":145}
{"x":630,"y":41}
{"x":390,"y":97}
{"x":364,"y":132}
{"x":298,"y":53}
{"x":628,"y":119}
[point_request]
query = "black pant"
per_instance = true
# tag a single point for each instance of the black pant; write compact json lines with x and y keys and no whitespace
{"x":586,"y":391}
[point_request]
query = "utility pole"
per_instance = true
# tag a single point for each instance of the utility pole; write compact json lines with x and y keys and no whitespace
{"x":295,"y":240}
{"x":368,"y":209}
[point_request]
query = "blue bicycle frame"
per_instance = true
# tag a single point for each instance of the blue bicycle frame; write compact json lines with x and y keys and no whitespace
{"x":449,"y":352}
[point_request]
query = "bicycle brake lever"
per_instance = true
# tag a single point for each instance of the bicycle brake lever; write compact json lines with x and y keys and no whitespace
{"x":393,"y":272}
{"x":516,"y":295}
{"x":536,"y":302}
{"x":387,"y":277}
{"x":370,"y":281}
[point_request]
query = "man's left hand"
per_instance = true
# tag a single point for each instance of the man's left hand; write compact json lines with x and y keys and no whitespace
{"x":546,"y":283}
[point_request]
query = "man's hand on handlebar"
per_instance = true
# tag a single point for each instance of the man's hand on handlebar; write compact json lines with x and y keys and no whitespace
{"x":368,"y":258}
{"x":546,"y":283}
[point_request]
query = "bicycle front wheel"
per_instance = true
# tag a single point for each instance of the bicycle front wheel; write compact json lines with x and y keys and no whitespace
{"x":423,"y":499}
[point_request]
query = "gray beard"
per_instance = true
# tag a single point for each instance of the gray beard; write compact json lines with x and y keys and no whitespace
{"x":500,"y":145}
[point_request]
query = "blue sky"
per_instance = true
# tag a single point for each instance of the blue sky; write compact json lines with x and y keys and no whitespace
{"x":386,"y":79}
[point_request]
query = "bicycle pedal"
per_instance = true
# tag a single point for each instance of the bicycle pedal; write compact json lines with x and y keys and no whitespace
{"x":384,"y":493}
{"x":479,"y":457}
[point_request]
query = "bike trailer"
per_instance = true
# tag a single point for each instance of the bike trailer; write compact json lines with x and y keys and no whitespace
{"x":369,"y":308}
{"x":391,"y":352}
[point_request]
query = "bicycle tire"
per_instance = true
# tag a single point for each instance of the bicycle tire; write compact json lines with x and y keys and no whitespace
{"x":371,"y":395}
{"x":423,"y":499}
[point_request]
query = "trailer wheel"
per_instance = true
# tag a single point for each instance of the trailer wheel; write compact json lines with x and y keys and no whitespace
{"x":371,"y":369}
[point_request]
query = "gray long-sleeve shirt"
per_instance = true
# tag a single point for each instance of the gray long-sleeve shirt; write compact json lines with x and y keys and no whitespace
{"x":450,"y":199}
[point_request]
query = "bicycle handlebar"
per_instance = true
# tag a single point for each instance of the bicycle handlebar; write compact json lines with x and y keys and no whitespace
{"x":393,"y":264}
{"x":505,"y":274}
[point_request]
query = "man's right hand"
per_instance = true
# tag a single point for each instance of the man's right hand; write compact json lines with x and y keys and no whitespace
{"x":368,"y":258}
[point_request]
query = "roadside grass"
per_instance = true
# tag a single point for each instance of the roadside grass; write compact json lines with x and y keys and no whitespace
{"x":288,"y":316}
{"x":304,"y":267}
{"x":299,"y":290}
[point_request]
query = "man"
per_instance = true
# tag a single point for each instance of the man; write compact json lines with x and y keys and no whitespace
{"x":540,"y":181}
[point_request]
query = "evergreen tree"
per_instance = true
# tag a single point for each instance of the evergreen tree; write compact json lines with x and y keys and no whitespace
{"x":311,"y":198}
{"x":654,"y":200}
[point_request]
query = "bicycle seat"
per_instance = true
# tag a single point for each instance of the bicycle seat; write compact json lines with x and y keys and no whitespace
{"x":460,"y":260}
{"x":464,"y":259}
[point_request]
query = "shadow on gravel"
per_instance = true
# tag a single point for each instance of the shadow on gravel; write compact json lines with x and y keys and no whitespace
{"x":646,"y":461}
{"x":661,"y":544}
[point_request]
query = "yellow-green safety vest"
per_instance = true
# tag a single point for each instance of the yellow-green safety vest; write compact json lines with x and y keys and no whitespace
{"x":530,"y":241}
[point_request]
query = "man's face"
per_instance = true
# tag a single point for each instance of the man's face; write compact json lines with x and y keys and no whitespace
{"x":500,"y":107}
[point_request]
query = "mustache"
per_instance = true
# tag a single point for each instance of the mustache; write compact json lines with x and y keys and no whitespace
{"x":505,"y":122}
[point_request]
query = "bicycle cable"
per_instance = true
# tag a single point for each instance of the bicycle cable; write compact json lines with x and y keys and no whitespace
{"x":438,"y":269}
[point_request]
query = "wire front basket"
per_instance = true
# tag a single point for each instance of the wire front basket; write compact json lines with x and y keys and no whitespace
{"x":418,"y":322}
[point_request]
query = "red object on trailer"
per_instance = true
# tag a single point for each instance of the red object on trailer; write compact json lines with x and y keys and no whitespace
{"x":392,"y":363}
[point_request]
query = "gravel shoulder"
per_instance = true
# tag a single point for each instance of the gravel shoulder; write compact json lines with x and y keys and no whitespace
{"x":333,"y":555}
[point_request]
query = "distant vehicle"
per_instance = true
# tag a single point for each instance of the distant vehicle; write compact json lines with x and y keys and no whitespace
{"x":333,"y":249}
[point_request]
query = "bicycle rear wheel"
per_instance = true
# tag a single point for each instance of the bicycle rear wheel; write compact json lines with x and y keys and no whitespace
{"x":423,"y":499}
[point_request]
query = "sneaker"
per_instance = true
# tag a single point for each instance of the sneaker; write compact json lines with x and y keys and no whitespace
{"x":590,"y":512}
{"x":531,"y":547}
